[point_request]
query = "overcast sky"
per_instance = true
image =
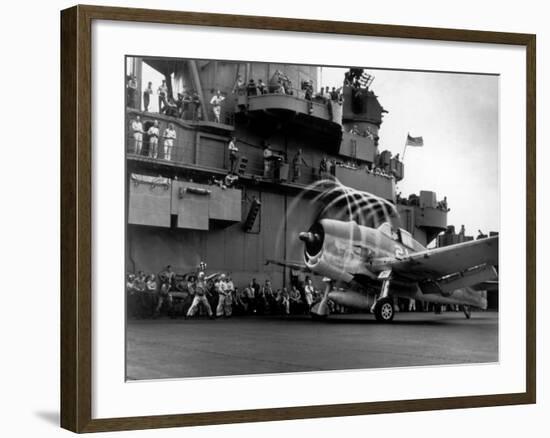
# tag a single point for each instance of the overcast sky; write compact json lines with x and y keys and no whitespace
{"x":457,"y":115}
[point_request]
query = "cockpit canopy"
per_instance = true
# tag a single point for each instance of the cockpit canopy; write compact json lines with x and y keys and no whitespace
{"x":400,"y":235}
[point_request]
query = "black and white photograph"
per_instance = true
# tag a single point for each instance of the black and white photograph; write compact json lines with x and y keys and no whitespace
{"x":275,"y":219}
{"x":285,"y":218}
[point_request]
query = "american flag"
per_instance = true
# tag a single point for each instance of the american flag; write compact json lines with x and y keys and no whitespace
{"x":414,"y":141}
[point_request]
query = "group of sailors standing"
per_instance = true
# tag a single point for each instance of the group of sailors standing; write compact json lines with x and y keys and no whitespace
{"x":153,"y":133}
{"x":214,"y":295}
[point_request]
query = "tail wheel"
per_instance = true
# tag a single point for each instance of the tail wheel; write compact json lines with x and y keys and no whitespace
{"x":383,"y":311}
{"x":467,"y":311}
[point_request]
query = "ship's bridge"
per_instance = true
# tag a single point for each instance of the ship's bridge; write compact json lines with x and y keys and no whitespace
{"x":423,"y":215}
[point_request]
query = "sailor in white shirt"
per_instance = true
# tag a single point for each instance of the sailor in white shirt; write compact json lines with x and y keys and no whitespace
{"x":309,"y":291}
{"x":137,"y":130}
{"x":216,"y":103}
{"x":153,"y":133}
{"x":169,"y":136}
{"x":224,"y":297}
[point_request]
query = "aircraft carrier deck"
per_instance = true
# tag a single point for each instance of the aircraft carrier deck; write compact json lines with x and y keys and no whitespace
{"x":167,"y":348}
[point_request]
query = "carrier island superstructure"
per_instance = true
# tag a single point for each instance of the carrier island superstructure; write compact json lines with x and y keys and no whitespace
{"x":176,"y":212}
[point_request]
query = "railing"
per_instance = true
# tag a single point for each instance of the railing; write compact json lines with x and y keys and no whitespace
{"x":160,"y":151}
{"x":191,"y":113}
{"x":321,"y":106}
{"x":289,"y":91}
{"x":214,"y":157}
{"x":363,"y":179}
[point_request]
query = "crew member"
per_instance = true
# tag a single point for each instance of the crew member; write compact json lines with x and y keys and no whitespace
{"x":280,"y":87}
{"x":132,"y":92}
{"x":147,"y":96}
{"x":137,"y":129}
{"x":200,"y":297}
{"x":153,"y":133}
{"x":297,"y":162}
{"x":195,"y":106}
{"x":136,"y":295}
{"x":239,"y":85}
{"x":230,"y":286}
{"x":169,"y":136}
{"x":269,"y":295}
{"x":184,"y":104}
{"x":240,"y":301}
{"x":216,"y":103}
{"x":170,"y":107}
{"x":262,"y":88}
{"x":295,"y":299}
{"x":130,"y":283}
{"x":250,"y":295}
{"x":256,"y":286}
{"x":284,"y":300}
{"x":233,"y":149}
{"x":230,"y":179}
{"x":308,"y":293}
{"x":251,"y":89}
{"x":268,"y":158}
{"x":148,"y":298}
{"x":151,"y":284}
{"x":224,"y":297}
{"x":162,"y":92}
{"x":323,"y":168}
{"x":164,"y":296}
{"x":140,"y":282}
{"x":261,"y":302}
{"x":168,"y":275}
{"x":307,"y":86}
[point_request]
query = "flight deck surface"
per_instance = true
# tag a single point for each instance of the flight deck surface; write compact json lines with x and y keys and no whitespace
{"x":166,"y":348}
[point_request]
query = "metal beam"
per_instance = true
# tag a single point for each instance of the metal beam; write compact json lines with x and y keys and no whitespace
{"x":197,"y":85}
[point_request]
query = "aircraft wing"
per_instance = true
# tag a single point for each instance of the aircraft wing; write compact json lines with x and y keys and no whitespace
{"x":289,"y":264}
{"x":489,"y":286}
{"x":439,"y":262}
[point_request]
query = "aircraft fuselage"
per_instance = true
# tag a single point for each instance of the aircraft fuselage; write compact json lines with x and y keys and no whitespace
{"x":362,"y":259}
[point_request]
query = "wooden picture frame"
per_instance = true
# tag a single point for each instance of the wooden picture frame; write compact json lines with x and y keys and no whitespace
{"x":76,"y":217}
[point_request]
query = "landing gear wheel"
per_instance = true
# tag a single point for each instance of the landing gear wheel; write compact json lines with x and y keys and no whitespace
{"x":383,"y":311}
{"x":319,"y":311}
{"x":467,"y":311}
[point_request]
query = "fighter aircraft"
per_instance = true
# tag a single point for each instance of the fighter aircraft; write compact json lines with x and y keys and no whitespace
{"x":377,"y":264}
